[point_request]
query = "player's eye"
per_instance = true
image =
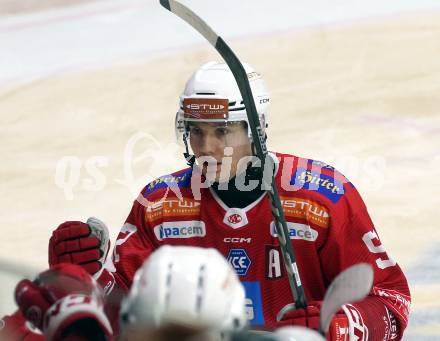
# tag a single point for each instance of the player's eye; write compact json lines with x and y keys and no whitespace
{"x":221,"y":131}
{"x":195,"y":131}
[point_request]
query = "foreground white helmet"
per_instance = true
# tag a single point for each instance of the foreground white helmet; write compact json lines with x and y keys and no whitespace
{"x":297,"y":333}
{"x":188,"y":286}
{"x":212,"y":95}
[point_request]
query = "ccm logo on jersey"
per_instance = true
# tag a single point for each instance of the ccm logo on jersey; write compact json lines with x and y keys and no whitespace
{"x":239,"y":260}
{"x":180,"y":229}
{"x":297,"y":231}
{"x":237,"y":240}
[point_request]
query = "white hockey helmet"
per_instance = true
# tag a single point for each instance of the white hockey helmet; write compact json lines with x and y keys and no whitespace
{"x":212,"y":95}
{"x":187,"y":286}
{"x":297,"y":333}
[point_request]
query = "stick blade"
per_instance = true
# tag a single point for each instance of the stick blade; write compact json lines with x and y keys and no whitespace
{"x":166,"y":4}
{"x":349,"y":286}
{"x":191,"y":18}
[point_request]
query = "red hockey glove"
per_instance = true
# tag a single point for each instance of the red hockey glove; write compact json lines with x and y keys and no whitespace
{"x":309,"y":318}
{"x":13,"y":328}
{"x":62,"y":297}
{"x":85,"y":244}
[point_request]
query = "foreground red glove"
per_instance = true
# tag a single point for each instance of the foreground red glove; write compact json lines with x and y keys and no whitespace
{"x":13,"y":328}
{"x":309,"y":317}
{"x":85,"y":244}
{"x":62,"y":297}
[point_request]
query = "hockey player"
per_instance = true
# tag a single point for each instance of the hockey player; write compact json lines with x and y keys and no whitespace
{"x":195,"y":294}
{"x":179,"y":293}
{"x":220,"y":202}
{"x":183,"y":290}
{"x":62,"y":303}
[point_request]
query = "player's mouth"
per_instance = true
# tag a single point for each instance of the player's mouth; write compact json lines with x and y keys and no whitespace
{"x":206,"y":163}
{"x":217,"y":164}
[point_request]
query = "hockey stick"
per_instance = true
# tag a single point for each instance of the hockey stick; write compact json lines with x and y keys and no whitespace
{"x":258,"y":138}
{"x":351,"y":285}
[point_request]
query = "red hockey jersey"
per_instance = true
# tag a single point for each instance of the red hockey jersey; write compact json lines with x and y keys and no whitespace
{"x":328,"y":224}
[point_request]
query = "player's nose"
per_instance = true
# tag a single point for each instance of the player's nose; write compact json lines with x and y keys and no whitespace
{"x":208,"y":145}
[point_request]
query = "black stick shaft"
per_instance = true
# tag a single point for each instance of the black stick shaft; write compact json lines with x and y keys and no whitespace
{"x":241,"y":78}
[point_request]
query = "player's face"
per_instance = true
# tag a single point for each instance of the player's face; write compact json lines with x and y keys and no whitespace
{"x":213,"y":140}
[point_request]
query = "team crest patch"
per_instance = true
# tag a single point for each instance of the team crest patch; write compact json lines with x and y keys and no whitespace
{"x":235,"y":218}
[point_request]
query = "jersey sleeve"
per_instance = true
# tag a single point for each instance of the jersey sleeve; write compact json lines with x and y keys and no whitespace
{"x":131,"y":249}
{"x":352,"y":239}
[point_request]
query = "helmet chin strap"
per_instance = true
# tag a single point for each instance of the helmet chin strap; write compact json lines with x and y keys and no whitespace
{"x":254,"y":149}
{"x":190,"y":158}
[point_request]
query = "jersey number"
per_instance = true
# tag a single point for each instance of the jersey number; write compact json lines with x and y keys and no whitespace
{"x":382,"y":263}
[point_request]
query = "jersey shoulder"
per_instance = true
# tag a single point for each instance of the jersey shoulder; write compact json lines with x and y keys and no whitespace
{"x":311,"y":177}
{"x":169,"y":183}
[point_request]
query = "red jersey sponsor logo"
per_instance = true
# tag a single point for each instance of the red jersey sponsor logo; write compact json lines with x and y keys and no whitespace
{"x":180,"y":229}
{"x":169,"y":180}
{"x":206,"y":108}
{"x":401,"y":302}
{"x":305,"y":209}
{"x":296,"y":231}
{"x":172,"y":208}
{"x":320,"y":182}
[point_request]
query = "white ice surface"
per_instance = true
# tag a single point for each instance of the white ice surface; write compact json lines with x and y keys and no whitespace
{"x":53,"y":41}
{"x":100,"y":33}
